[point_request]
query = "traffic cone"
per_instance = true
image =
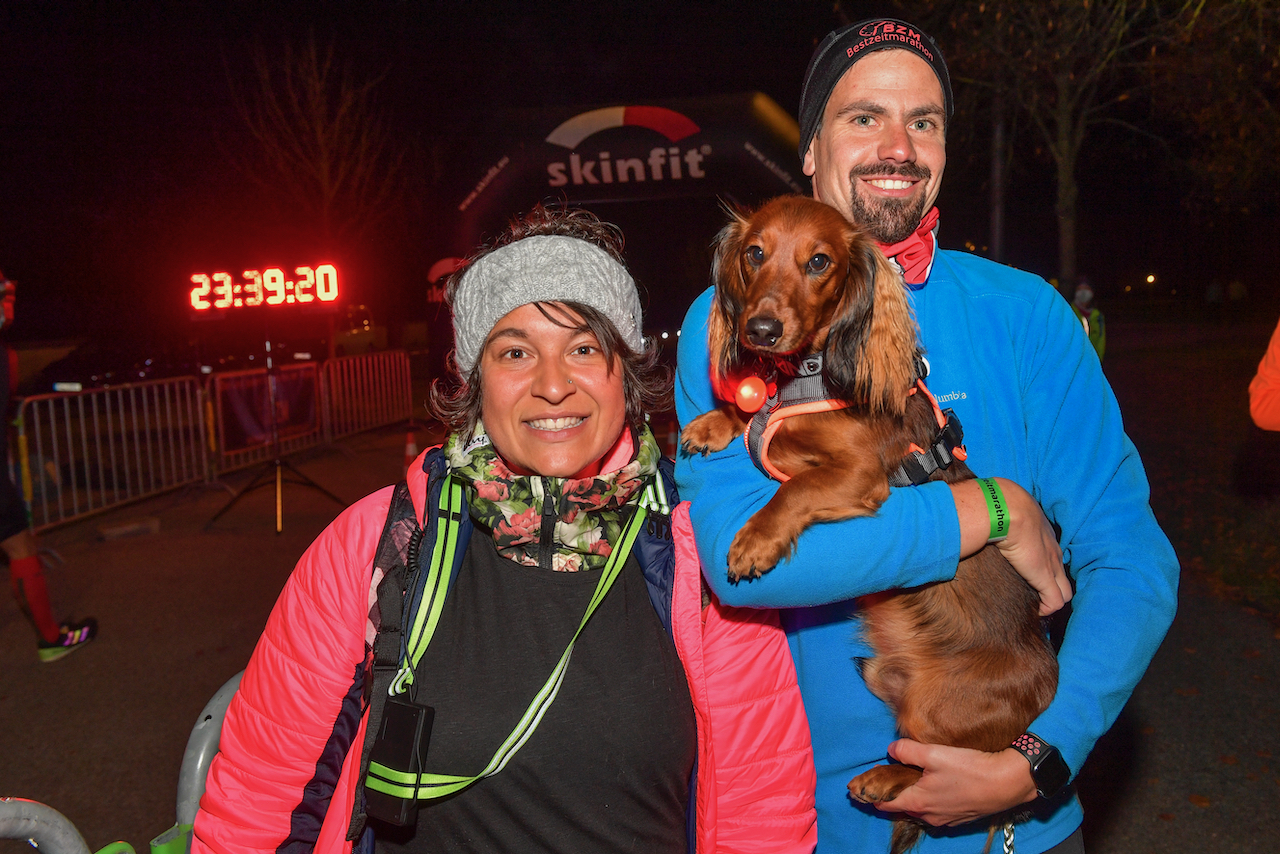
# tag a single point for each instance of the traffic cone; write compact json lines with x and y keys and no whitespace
{"x":410,"y":450}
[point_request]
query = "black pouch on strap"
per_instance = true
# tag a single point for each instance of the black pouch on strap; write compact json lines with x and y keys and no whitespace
{"x":401,"y":743}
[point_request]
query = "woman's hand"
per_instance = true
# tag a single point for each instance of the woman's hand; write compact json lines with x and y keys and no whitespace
{"x":1031,"y":548}
{"x":960,"y":785}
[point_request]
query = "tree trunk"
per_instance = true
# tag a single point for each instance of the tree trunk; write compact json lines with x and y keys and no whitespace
{"x":997,"y":177}
{"x":1066,"y":153}
{"x":1067,"y":216}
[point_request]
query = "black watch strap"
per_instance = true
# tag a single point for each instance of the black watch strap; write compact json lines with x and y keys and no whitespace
{"x":1048,"y":769}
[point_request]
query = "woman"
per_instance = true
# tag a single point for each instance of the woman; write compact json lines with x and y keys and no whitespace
{"x":632,"y":714}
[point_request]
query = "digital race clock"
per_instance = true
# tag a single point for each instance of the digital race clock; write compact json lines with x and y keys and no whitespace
{"x":265,"y":287}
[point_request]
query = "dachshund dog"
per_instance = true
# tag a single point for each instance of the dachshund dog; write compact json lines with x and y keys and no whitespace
{"x":962,"y":663}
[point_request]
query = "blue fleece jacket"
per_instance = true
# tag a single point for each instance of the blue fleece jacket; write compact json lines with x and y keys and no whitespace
{"x":1010,"y":357}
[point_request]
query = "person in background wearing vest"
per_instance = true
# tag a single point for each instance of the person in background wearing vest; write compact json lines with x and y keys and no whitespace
{"x":1095,"y":325}
{"x":564,"y":682}
{"x":1006,"y":353}
{"x":1264,"y":389}
{"x":26,"y":574}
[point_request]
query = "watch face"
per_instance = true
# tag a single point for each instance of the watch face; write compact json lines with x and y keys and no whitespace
{"x":1050,"y":773}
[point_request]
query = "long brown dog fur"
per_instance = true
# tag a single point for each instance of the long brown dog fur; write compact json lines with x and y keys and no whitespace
{"x":961,"y":663}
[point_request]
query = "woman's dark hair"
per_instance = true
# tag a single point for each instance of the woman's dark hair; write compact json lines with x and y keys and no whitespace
{"x":646,"y":384}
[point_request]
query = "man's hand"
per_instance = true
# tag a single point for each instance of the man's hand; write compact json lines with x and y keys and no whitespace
{"x":960,"y":785}
{"x":1031,"y":548}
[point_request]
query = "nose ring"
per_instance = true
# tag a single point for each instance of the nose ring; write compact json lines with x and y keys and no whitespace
{"x":570,"y":382}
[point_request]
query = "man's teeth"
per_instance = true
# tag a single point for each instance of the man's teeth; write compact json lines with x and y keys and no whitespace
{"x":555,"y":423}
{"x":890,"y":184}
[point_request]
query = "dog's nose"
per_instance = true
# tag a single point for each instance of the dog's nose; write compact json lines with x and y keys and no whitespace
{"x":764,"y":331}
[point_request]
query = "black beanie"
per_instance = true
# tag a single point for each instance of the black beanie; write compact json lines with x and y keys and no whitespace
{"x":842,"y":48}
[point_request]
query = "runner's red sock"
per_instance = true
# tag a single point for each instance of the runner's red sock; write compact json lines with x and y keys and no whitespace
{"x":26,"y":577}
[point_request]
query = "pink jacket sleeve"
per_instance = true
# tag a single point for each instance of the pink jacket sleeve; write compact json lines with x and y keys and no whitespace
{"x":1264,"y":391}
{"x":282,"y":773}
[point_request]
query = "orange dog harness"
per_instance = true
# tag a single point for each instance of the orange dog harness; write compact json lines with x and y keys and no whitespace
{"x":806,"y":393}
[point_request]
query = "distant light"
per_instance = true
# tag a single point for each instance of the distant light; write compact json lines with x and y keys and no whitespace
{"x":206,"y":369}
{"x":665,"y":336}
{"x":1128,"y":288}
{"x":302,"y":357}
{"x":1174,"y":292}
{"x":1151,"y":280}
{"x":677,"y":333}
{"x":68,"y":387}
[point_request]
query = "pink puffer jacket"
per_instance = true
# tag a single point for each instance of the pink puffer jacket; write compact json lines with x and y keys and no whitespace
{"x":285,"y":777}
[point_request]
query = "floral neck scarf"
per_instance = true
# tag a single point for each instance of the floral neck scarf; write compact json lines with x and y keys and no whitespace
{"x":914,"y":256}
{"x":581,"y":518}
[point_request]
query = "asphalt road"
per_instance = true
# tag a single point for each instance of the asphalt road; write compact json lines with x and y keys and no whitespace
{"x":1192,"y":765}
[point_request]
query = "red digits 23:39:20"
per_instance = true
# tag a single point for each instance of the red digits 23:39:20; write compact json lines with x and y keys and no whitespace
{"x":266,"y":287}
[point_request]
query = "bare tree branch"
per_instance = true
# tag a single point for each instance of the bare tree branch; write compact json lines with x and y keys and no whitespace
{"x":321,"y":138}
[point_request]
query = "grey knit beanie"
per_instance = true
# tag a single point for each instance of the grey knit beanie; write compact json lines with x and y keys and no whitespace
{"x":543,"y":268}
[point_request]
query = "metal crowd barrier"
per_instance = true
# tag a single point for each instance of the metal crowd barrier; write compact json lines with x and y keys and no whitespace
{"x":86,"y":452}
{"x":83,"y":453}
{"x":363,"y":392}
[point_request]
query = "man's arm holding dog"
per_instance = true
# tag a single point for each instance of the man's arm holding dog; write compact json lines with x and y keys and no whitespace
{"x":918,"y":536}
{"x":1092,"y":483}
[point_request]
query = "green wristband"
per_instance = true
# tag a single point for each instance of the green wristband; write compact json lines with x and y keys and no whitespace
{"x":996,"y":509}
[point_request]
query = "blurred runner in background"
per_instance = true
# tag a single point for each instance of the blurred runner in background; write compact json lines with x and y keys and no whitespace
{"x":26,"y":574}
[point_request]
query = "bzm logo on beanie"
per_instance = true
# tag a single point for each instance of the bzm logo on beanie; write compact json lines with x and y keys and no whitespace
{"x":878,"y":32}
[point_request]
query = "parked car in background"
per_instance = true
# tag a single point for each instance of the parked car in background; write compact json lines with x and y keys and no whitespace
{"x":97,"y":364}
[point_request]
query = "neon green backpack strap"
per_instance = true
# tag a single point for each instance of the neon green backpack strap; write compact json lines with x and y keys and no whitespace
{"x":399,"y":589}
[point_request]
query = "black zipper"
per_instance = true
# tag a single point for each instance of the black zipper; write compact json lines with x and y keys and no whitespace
{"x":546,"y":547}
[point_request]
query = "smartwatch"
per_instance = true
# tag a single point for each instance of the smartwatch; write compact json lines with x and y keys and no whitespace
{"x":1049,"y":770}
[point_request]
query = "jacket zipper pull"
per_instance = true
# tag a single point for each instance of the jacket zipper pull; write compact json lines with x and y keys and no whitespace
{"x":546,"y":545}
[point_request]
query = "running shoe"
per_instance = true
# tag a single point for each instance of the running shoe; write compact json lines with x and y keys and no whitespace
{"x":71,"y":637}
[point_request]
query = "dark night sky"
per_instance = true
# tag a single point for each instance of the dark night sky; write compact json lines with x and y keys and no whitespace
{"x":116,"y":120}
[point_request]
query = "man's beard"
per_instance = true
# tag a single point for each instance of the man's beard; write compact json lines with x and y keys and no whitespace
{"x":887,"y":220}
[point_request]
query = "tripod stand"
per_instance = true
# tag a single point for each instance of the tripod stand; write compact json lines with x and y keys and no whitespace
{"x":275,"y":469}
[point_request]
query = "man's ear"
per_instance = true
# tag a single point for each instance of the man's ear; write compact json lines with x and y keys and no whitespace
{"x":807,"y":165}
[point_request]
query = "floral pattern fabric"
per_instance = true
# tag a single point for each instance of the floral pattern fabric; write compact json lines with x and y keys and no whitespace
{"x":589,"y":512}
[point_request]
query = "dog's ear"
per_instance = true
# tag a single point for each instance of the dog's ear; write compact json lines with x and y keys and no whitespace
{"x":847,"y":338}
{"x":731,"y":288}
{"x":874,"y":337}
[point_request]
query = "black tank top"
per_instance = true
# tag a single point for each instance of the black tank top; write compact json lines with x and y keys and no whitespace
{"x":608,"y":767}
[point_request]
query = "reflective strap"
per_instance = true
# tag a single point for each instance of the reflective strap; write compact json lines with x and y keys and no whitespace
{"x":654,"y":497}
{"x":426,"y":615}
{"x":430,"y":786}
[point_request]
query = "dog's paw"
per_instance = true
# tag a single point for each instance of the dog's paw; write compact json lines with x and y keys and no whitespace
{"x":883,"y":783}
{"x":709,"y":432}
{"x":756,"y":549}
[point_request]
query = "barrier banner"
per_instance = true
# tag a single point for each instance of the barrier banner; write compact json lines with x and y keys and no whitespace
{"x":244,"y":402}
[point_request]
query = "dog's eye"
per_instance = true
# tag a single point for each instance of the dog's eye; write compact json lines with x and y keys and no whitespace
{"x":755,"y":255}
{"x":819,"y":263}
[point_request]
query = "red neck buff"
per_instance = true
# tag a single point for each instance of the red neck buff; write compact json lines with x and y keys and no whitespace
{"x":914,"y":256}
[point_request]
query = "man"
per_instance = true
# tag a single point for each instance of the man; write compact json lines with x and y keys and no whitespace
{"x":26,"y":574}
{"x":1010,"y":357}
{"x":1091,"y":318}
